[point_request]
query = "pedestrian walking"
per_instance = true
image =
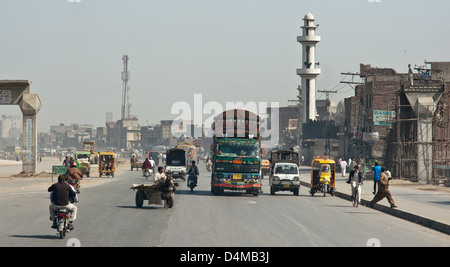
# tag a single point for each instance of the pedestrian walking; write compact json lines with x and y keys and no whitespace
{"x":343,"y":167}
{"x":383,"y":191}
{"x":376,"y":177}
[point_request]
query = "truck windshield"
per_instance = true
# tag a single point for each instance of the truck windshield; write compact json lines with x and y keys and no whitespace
{"x":238,"y":149}
{"x":286,"y":169}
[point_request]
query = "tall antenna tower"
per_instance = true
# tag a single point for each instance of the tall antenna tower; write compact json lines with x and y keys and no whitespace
{"x":125,"y":112}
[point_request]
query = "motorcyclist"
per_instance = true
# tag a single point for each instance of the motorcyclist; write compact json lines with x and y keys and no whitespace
{"x":208,"y":164}
{"x":66,"y":162}
{"x":152,"y":162}
{"x":73,"y":173}
{"x":74,"y":176}
{"x":146,"y":164}
{"x":61,"y":193}
{"x":193,"y":173}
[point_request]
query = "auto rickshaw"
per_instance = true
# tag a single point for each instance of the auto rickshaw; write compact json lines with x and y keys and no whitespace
{"x":107,"y":164}
{"x":323,"y":175}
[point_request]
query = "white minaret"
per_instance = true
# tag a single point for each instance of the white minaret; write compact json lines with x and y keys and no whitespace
{"x":309,"y":72}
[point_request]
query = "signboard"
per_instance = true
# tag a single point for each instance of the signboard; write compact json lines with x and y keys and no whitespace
{"x":383,"y":117}
{"x":29,"y":139}
{"x":371,"y":137}
{"x":57,"y":169}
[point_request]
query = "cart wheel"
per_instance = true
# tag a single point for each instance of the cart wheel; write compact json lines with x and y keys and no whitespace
{"x":140,"y":198}
{"x":100,"y":175}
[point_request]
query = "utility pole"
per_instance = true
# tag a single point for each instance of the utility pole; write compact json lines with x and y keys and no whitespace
{"x":300,"y":122}
{"x":327,"y":128}
{"x":359,"y":109}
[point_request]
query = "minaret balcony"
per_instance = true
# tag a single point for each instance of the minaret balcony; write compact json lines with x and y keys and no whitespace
{"x":308,"y":72}
{"x":308,"y":39}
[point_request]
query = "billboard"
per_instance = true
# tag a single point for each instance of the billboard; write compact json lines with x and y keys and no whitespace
{"x":383,"y":117}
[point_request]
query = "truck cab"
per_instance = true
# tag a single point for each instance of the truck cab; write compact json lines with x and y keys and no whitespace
{"x":284,"y":175}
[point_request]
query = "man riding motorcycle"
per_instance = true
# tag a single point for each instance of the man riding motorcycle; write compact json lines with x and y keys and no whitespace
{"x":61,"y":193}
{"x":74,"y":176}
{"x":193,"y":173}
{"x":146,"y":165}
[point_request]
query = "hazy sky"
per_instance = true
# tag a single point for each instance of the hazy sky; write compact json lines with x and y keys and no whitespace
{"x":233,"y":50}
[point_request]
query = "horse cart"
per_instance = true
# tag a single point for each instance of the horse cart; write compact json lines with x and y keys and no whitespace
{"x":136,"y":165}
{"x":155,"y":193}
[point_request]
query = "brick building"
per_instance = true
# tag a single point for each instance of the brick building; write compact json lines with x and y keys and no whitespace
{"x":401,"y":120}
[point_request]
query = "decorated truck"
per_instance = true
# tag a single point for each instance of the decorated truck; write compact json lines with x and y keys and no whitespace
{"x":236,"y":151}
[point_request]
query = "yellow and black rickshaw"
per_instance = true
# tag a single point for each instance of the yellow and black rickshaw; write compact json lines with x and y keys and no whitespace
{"x":323,"y":175}
{"x":106,"y":164}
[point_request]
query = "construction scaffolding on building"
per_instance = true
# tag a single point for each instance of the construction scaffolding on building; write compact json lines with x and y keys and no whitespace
{"x":418,"y":146}
{"x":401,"y":121}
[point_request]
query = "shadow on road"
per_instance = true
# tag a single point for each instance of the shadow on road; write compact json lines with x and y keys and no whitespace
{"x":148,"y":207}
{"x":37,"y":236}
{"x":194,"y":193}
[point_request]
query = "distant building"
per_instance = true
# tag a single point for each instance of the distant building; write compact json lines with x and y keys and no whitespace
{"x":10,"y":130}
{"x":70,"y":135}
{"x":125,"y":134}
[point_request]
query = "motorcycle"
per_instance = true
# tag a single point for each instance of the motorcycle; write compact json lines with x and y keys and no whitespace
{"x":75,"y":185}
{"x":62,"y":222}
{"x":147,"y":172}
{"x":192,"y":182}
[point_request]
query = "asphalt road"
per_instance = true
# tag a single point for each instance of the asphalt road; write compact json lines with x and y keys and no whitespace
{"x":108,"y":217}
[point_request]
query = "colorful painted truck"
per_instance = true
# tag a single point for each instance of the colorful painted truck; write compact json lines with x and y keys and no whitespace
{"x":191,"y":153}
{"x":236,"y":151}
